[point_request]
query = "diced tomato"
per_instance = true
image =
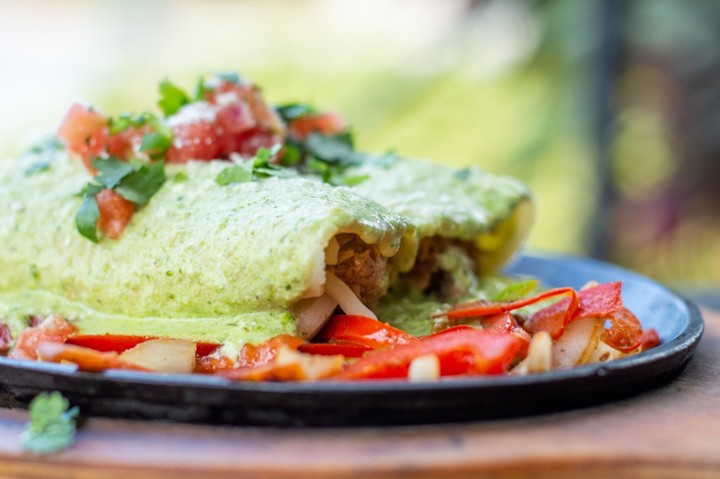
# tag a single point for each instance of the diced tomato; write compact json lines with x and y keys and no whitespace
{"x":53,"y":329}
{"x":126,"y":143}
{"x":251,"y":141}
{"x":347,"y":349}
{"x":85,"y":133}
{"x":328,"y":123}
{"x":194,"y":141}
{"x":119,"y":343}
{"x":115,"y":213}
{"x":362,"y":330}
{"x":88,"y":360}
{"x":263,"y":353}
{"x":236,"y":118}
{"x":464,"y":351}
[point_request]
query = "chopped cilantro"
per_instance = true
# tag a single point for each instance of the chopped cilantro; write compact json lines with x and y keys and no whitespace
{"x":38,"y":166}
{"x":172,"y":98}
{"x":46,"y":149}
{"x":353,"y":180}
{"x":516,"y":291}
{"x":87,"y":216}
{"x":134,"y":182}
{"x":47,"y":145}
{"x":52,"y":424}
{"x":112,"y":171}
{"x":126,"y":121}
{"x":201,"y":89}
{"x":238,"y":173}
{"x":141,"y":184}
{"x":291,"y":111}
{"x":155,"y":144}
{"x":255,"y":168}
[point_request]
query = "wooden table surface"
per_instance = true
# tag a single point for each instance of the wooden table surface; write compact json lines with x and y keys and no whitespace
{"x":673,"y":431}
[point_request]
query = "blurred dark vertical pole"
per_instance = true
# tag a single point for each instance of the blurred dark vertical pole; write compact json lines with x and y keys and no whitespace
{"x":606,"y":67}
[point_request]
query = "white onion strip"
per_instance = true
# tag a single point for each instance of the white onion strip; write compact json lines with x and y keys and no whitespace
{"x":312,"y":313}
{"x":345,"y":297}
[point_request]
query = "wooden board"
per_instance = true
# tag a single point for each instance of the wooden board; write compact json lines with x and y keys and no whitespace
{"x":671,"y":432}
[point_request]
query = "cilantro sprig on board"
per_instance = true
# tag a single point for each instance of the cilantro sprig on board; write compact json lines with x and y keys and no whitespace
{"x":136,"y":183}
{"x":52,"y":425}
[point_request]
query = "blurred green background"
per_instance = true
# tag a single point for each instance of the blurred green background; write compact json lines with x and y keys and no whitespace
{"x":608,"y":109}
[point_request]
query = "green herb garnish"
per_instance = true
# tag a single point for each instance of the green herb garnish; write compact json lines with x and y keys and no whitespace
{"x":135,"y":182}
{"x":46,"y":149}
{"x":516,"y":291}
{"x":239,"y":173}
{"x":52,"y":424}
{"x":142,"y":184}
{"x":88,"y":215}
{"x":292,"y":111}
{"x":172,"y":98}
{"x":255,"y":168}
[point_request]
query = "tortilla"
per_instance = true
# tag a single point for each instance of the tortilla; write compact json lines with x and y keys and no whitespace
{"x":207,"y":262}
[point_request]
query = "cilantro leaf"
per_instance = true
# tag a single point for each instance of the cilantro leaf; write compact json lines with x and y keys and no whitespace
{"x":516,"y":291}
{"x":49,"y":144}
{"x":337,"y":149}
{"x":291,"y":111}
{"x":46,"y":149}
{"x":87,"y":216}
{"x":52,"y":424}
{"x":140,"y":185}
{"x":239,"y":173}
{"x":172,"y":98}
{"x":155,"y":144}
{"x":201,"y":89}
{"x":112,"y":171}
{"x":126,"y":121}
{"x":264,"y":155}
{"x":353,"y":180}
{"x":38,"y":166}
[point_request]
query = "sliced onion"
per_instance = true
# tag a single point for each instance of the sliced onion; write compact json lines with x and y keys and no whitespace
{"x":580,"y":338}
{"x":312,"y":313}
{"x":163,"y":355}
{"x":347,"y":300}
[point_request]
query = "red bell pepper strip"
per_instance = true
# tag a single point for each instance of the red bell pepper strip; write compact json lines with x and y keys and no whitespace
{"x":86,"y":359}
{"x":463,"y":351}
{"x":477,"y":309}
{"x":625,"y":332}
{"x":599,"y":301}
{"x":120,"y":343}
{"x":506,"y":323}
{"x":649,"y":339}
{"x":362,"y":330}
{"x":264,"y":353}
{"x":349,"y":350}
